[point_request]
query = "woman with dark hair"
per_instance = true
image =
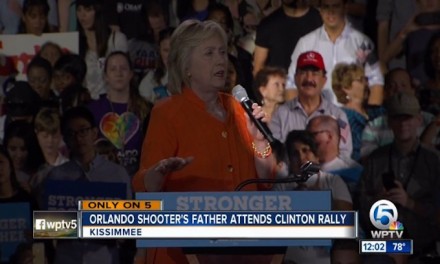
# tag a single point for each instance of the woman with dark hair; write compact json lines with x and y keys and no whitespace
{"x":69,"y":73}
{"x":301,"y":147}
{"x":121,"y":115}
{"x":143,"y":49}
{"x":153,"y":85}
{"x":10,"y":189}
{"x":35,"y":17}
{"x":96,"y":41}
{"x":22,"y":145}
{"x":270,"y":87}
{"x":235,"y":76}
{"x":12,"y":192}
{"x":39,"y":74}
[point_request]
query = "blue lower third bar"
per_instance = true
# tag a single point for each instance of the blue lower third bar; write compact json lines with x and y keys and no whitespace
{"x":404,"y":246}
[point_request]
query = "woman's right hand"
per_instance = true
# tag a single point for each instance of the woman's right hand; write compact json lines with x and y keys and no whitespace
{"x":155,"y":176}
{"x":169,"y":165}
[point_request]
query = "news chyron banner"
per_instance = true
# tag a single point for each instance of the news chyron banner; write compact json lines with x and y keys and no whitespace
{"x":214,"y":219}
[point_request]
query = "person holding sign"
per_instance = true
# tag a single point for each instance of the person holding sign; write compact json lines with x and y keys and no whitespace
{"x":10,"y":190}
{"x":86,"y":174}
{"x":187,"y":129}
{"x":16,"y":208}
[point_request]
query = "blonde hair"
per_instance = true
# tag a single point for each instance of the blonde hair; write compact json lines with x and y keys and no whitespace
{"x":188,"y":35}
{"x":343,"y":76}
{"x":47,"y":120}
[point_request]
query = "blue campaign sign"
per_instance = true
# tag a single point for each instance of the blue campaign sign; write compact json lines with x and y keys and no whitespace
{"x":64,"y":195}
{"x":15,"y":221}
{"x":238,"y":201}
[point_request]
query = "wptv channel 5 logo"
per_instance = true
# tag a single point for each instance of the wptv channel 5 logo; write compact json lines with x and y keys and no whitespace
{"x":55,"y":224}
{"x":383,"y":216}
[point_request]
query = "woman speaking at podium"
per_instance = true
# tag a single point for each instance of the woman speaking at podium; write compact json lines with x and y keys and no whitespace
{"x":199,"y":139}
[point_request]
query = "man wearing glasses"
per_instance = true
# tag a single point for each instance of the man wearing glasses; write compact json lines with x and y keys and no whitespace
{"x":338,"y":42}
{"x":80,"y":133}
{"x":310,"y":77}
{"x":326,"y":134}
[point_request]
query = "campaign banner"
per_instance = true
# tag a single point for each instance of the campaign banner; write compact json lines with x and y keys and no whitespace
{"x":15,"y":221}
{"x":19,"y":49}
{"x":238,"y":201}
{"x":65,"y":195}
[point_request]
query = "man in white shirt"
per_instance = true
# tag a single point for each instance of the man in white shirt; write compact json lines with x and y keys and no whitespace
{"x":338,"y":42}
{"x":325,"y":131}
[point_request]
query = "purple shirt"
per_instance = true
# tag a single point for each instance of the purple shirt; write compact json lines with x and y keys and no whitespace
{"x":123,"y":129}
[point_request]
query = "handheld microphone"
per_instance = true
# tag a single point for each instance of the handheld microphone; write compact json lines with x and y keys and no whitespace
{"x":241,"y":95}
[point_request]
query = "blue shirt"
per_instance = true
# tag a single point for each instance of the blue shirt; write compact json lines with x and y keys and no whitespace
{"x":357,"y":125}
{"x":89,"y":251}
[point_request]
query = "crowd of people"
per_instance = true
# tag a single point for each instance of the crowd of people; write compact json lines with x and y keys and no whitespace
{"x":146,"y":103}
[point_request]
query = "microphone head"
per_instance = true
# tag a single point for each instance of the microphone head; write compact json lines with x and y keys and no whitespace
{"x":239,"y":93}
{"x":310,"y":168}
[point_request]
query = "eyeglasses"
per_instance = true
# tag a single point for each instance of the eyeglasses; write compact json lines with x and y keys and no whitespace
{"x":314,"y":134}
{"x":362,"y":79}
{"x":81,"y":132}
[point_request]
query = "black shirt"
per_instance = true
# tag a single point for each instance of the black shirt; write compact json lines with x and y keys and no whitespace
{"x":279,"y":33}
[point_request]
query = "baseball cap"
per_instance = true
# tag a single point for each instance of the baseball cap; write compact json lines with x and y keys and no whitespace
{"x":310,"y":58}
{"x":403,"y":104}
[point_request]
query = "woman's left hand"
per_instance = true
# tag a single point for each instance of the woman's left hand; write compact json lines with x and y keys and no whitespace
{"x":258,"y":113}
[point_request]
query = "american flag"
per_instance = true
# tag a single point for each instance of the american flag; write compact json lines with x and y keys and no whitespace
{"x":345,"y":129}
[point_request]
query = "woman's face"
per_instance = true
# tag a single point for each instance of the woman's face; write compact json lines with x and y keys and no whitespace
{"x":5,"y":169}
{"x":301,"y":154}
{"x":164,"y":49}
{"x":18,"y":151}
{"x":39,"y":80}
{"x":219,"y":17}
{"x":62,"y":80}
{"x":208,"y":65}
{"x":435,"y":55}
{"x":358,"y":88}
{"x":157,"y":23}
{"x":51,"y":54}
{"x":274,"y":89}
{"x":86,"y":16}
{"x":49,"y":142}
{"x":118,"y":73}
{"x":35,"y":20}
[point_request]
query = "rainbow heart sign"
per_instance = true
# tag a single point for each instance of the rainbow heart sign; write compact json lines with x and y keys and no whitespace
{"x":119,"y":129}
